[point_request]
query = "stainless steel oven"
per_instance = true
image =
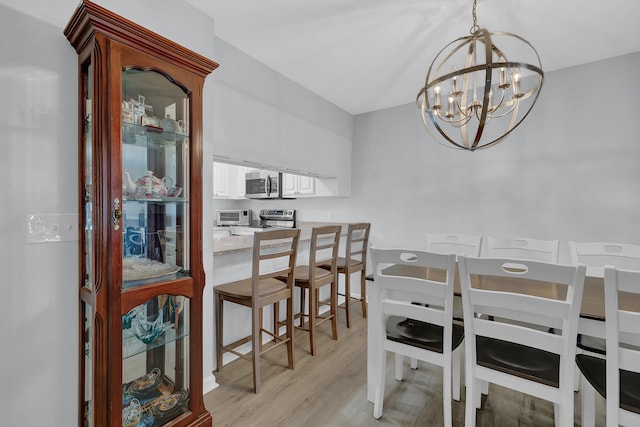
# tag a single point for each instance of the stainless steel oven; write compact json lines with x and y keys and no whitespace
{"x":263,"y":185}
{"x":279,"y":218}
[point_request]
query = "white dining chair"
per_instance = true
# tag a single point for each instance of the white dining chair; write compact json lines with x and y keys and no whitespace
{"x":595,"y":255}
{"x":414,"y":318}
{"x":617,"y":378}
{"x":523,"y":248}
{"x":515,"y":350}
{"x":459,"y":244}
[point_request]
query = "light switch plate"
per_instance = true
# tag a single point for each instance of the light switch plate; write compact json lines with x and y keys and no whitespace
{"x":47,"y":228}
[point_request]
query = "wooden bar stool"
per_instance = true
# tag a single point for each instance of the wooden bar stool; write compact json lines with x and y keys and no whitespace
{"x":274,"y":255}
{"x":354,"y":261}
{"x":310,"y":278}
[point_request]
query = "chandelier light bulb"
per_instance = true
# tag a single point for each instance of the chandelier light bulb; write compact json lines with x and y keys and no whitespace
{"x":437,"y":105}
{"x":516,"y":84}
{"x":450,"y":114}
{"x":503,"y":79}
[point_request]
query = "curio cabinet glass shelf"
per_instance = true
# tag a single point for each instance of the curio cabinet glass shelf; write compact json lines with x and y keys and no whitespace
{"x":141,"y":275}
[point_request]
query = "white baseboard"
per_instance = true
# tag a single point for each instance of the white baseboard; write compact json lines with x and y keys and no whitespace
{"x":209,"y":383}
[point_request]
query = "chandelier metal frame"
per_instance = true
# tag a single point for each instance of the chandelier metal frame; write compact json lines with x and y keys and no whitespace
{"x":470,"y":118}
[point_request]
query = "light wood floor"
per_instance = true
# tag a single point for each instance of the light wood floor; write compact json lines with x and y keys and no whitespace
{"x":329,"y":390}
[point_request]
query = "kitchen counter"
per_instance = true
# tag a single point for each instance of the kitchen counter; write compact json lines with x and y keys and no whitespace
{"x":224,"y":245}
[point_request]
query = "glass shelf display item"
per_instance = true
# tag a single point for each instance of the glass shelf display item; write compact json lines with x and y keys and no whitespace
{"x":141,"y":271}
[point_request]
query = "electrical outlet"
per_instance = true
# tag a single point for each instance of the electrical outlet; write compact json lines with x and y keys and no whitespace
{"x":47,"y":228}
{"x":323,"y":215}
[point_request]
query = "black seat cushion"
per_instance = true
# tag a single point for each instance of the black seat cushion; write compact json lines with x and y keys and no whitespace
{"x":519,"y":360}
{"x":594,"y":370}
{"x":592,"y":344}
{"x":421,"y":334}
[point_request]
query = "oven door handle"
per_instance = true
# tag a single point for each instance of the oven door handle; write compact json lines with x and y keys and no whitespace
{"x":268,"y":186}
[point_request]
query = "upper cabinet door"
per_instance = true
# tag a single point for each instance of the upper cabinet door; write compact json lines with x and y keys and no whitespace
{"x":298,"y":185}
{"x":155,"y":131}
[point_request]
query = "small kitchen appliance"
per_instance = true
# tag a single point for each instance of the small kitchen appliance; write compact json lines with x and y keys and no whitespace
{"x":233,"y":217}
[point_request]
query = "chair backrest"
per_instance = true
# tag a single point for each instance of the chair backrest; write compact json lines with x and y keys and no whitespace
{"x":623,"y":342}
{"x":357,"y":242}
{"x":595,"y":255}
{"x":459,"y":244}
{"x":274,"y":254}
{"x":407,"y":294}
{"x":508,"y":292}
{"x":523,"y":248}
{"x":323,"y":251}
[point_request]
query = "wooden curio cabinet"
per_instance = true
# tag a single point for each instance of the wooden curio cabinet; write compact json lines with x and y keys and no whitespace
{"x":141,"y":274}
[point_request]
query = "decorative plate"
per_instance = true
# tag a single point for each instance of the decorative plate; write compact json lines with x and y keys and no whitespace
{"x":147,"y":383}
{"x":170,"y":405}
{"x":136,"y":269}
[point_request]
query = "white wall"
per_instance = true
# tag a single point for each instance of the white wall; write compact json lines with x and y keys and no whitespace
{"x":244,"y":73}
{"x":38,"y":169}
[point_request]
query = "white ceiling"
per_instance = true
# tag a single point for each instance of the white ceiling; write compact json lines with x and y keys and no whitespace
{"x":366,"y":55}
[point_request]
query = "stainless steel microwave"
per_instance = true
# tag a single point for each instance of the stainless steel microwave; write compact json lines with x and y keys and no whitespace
{"x":233,"y":217}
{"x":263,"y":185}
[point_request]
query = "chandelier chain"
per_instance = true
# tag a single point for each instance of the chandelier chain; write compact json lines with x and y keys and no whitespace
{"x":475,"y":26}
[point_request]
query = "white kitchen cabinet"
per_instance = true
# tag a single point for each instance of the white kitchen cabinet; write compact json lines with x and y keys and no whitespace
{"x":306,"y":185}
{"x":220,"y":180}
{"x":239,"y":179}
{"x":228,"y":181}
{"x":238,"y":135}
{"x":289,"y":185}
{"x":298,"y":185}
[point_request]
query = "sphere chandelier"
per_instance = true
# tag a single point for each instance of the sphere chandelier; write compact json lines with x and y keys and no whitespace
{"x":485,"y":94}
